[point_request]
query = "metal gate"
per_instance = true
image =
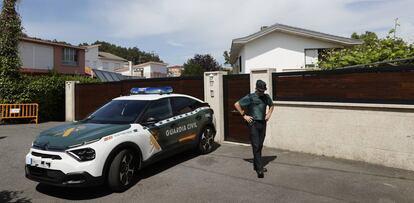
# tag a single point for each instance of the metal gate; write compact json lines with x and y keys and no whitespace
{"x":89,"y":97}
{"x":234,"y":88}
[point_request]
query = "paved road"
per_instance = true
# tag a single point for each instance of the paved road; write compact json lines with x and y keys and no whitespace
{"x":225,"y":175}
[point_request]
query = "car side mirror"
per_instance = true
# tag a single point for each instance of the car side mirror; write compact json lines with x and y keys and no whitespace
{"x":150,"y":121}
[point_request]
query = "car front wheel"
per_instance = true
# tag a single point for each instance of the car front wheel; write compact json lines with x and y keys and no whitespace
{"x":122,"y":170}
{"x":206,"y":142}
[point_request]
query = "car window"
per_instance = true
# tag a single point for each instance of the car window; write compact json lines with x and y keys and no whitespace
{"x":181,"y":105}
{"x":118,"y":112}
{"x":159,"y":109}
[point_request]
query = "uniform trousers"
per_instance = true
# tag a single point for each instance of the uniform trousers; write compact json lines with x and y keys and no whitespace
{"x":257,"y":136}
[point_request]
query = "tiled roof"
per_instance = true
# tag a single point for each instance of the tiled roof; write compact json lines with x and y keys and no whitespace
{"x":48,"y":42}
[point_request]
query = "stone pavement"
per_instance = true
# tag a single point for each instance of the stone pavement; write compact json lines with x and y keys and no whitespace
{"x":225,"y":175}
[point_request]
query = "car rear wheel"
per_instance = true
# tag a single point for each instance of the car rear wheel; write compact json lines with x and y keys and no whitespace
{"x":206,"y":142}
{"x":122,"y":170}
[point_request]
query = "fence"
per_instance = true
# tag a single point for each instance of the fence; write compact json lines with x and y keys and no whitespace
{"x":89,"y":97}
{"x":14,"y":111}
{"x":392,"y":85}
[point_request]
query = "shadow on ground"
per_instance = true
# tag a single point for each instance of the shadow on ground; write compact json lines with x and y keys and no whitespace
{"x":13,"y":196}
{"x":265,"y":159}
{"x":101,"y":191}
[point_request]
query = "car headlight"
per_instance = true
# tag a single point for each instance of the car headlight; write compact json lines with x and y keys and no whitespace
{"x":84,"y":154}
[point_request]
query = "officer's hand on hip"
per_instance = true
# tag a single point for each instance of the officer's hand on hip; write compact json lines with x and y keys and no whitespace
{"x":267,"y":117}
{"x":249,"y":119}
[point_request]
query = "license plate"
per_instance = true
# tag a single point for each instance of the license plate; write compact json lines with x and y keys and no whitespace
{"x":39,"y":163}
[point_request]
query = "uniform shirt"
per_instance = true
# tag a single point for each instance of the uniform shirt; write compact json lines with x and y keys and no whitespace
{"x":255,"y":105}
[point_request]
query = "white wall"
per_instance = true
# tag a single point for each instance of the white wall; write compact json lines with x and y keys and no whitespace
{"x":110,"y":65}
{"x":91,"y":58}
{"x":279,"y":50}
{"x":373,"y":133}
{"x":159,"y":68}
{"x":36,"y":56}
{"x":150,"y":69}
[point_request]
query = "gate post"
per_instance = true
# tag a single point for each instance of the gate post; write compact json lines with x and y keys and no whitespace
{"x":213,"y":95}
{"x":265,"y":75}
{"x":70,"y":100}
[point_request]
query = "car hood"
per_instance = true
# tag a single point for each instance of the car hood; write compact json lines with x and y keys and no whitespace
{"x":64,"y":136}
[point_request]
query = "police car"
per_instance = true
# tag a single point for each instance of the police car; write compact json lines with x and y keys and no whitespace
{"x":121,"y":137}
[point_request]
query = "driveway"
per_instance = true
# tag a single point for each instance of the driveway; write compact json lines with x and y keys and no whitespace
{"x":225,"y":175}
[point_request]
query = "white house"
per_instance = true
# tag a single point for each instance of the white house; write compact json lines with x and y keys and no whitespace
{"x":284,"y":48}
{"x":152,"y":69}
{"x":100,"y":60}
{"x":147,"y":70}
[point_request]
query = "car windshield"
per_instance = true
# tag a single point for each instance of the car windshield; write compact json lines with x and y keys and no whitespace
{"x":118,"y":112}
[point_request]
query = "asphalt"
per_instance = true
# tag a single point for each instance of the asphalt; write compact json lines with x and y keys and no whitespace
{"x":225,"y":175}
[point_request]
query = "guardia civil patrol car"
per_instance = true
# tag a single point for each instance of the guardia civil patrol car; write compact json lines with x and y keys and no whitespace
{"x":121,"y":137}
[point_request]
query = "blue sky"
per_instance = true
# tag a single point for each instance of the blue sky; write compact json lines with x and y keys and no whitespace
{"x":178,"y":29}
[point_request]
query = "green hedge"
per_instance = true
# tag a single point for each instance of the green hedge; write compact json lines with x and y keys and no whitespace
{"x":46,"y":90}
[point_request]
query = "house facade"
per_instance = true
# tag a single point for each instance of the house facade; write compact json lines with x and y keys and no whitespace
{"x":41,"y":56}
{"x":175,"y":71}
{"x":284,"y":48}
{"x":150,"y":70}
{"x":95,"y":59}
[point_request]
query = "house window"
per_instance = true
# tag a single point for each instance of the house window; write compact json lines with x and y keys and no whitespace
{"x":311,"y":57}
{"x":69,"y":57}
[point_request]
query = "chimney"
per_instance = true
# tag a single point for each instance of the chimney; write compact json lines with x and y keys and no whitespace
{"x":263,"y":27}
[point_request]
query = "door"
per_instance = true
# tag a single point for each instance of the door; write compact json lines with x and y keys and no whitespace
{"x":158,"y":119}
{"x":186,"y":119}
{"x":234,"y":88}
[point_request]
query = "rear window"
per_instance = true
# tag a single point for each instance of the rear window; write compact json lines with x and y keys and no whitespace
{"x":183,"y":105}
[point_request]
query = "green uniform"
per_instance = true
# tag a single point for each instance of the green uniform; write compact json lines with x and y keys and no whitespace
{"x":255,"y":105}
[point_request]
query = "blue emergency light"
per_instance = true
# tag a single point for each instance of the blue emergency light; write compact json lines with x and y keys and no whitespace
{"x":152,"y":90}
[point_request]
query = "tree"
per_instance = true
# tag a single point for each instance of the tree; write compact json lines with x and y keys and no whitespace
{"x":372,"y":50}
{"x":10,"y":32}
{"x":199,"y":64}
{"x":131,"y":54}
{"x":226,"y":56}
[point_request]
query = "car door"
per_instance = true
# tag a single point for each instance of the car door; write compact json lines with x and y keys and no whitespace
{"x":158,"y":120}
{"x":185,"y":119}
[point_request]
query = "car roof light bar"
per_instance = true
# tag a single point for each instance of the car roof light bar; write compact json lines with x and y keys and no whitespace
{"x":152,"y":90}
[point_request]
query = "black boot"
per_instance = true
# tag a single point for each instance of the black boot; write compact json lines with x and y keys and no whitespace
{"x":260,"y":173}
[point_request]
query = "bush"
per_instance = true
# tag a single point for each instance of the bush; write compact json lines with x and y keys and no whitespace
{"x":47,"y":90}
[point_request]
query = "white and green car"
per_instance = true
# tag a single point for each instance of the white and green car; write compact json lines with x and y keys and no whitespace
{"x":121,"y":137}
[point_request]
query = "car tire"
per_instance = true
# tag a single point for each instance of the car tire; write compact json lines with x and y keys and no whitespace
{"x":206,"y":142}
{"x":122,"y":170}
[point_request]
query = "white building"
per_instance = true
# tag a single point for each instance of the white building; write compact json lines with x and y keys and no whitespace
{"x":148,"y":70}
{"x":96,"y":59}
{"x":284,"y":48}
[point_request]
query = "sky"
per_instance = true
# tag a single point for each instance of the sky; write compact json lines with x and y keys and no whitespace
{"x":176,"y":30}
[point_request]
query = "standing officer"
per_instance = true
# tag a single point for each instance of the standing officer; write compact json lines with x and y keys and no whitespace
{"x":253,"y":109}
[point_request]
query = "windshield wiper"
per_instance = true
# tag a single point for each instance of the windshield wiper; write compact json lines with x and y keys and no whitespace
{"x":87,"y":119}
